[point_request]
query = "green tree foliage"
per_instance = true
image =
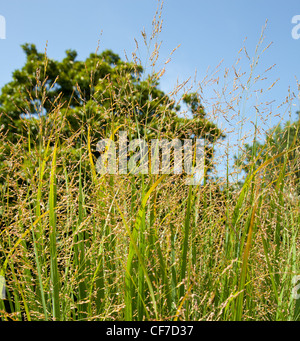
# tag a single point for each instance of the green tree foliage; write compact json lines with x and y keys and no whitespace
{"x":100,"y":91}
{"x":278,"y":140}
{"x":99,"y":94}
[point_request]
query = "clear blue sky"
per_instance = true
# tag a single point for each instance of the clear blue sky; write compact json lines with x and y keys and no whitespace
{"x":208,"y":31}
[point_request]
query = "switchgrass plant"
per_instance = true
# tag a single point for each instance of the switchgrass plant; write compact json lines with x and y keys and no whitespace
{"x":78,"y":245}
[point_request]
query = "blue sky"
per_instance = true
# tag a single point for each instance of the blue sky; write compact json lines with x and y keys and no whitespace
{"x":208,"y":31}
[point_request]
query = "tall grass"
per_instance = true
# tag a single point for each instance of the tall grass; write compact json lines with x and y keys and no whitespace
{"x":77,"y":245}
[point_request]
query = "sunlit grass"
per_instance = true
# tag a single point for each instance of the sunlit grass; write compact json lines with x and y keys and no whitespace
{"x":78,"y":245}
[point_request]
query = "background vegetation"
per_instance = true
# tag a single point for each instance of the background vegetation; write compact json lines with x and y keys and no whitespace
{"x":76,"y":245}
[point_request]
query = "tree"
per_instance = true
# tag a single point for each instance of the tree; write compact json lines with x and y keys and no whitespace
{"x":99,"y":94}
{"x":278,"y":140}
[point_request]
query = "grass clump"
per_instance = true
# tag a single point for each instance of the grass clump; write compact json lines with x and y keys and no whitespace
{"x":78,"y":245}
